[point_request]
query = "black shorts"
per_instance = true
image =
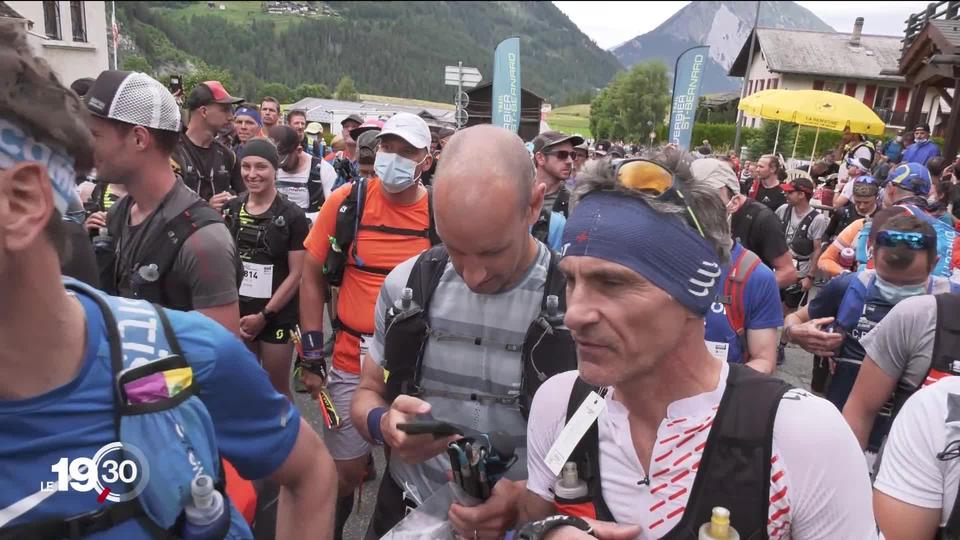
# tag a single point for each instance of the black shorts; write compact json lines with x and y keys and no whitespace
{"x":276,"y":333}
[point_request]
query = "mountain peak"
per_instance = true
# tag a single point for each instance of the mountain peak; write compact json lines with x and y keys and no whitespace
{"x":723,"y":25}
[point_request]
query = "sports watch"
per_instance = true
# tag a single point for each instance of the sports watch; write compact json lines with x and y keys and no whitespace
{"x":537,"y":530}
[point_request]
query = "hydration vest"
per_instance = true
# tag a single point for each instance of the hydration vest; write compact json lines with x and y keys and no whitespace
{"x":149,"y":278}
{"x":732,"y":297}
{"x":261,"y":243}
{"x":349,"y":218}
{"x":548,"y":348}
{"x":541,"y":229}
{"x":156,"y":411}
{"x":734,"y":470}
{"x":315,"y":185}
{"x":945,"y":237}
{"x":801,"y":244}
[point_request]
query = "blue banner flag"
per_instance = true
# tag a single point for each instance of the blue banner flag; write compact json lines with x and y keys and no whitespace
{"x":687,"y":76}
{"x":505,"y":103}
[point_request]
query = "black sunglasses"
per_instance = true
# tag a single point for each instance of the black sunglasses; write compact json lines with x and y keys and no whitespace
{"x":563,"y":155}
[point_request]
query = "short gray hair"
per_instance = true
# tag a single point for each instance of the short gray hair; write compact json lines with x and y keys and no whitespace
{"x":703,"y":201}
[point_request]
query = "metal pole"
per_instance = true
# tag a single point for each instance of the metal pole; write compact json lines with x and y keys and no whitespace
{"x":814,"y":152}
{"x":776,"y":139}
{"x":746,"y":76}
{"x":459,"y":92}
{"x":113,"y":24}
{"x":795,"y":141}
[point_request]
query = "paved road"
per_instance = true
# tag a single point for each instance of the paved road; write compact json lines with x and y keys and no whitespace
{"x":796,"y":371}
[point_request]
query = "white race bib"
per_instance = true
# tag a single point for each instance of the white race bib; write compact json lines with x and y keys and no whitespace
{"x":718,"y":350}
{"x":257,"y":280}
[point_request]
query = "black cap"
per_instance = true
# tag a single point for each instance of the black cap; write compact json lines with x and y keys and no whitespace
{"x":209,"y":92}
{"x":616,"y":151}
{"x":352,"y":118}
{"x":547,"y":139}
{"x":367,"y":143}
{"x":286,"y":139}
{"x":924,"y":127}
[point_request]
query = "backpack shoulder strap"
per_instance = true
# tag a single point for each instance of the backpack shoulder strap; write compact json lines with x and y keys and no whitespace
{"x":785,"y":220}
{"x":426,"y":273}
{"x":541,"y":229}
{"x":434,"y":237}
{"x":587,"y":452}
{"x":163,"y":248}
{"x":806,"y":221}
{"x":231,"y":211}
{"x":562,"y":202}
{"x":555,"y":284}
{"x":734,"y":286}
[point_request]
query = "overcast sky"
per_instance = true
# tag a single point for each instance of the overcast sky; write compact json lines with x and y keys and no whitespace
{"x":612,"y":23}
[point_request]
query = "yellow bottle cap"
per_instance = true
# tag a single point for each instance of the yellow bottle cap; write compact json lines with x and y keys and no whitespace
{"x":720,"y":523}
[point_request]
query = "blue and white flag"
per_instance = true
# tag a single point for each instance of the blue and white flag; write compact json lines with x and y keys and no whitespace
{"x":687,"y":76}
{"x":505,"y":102}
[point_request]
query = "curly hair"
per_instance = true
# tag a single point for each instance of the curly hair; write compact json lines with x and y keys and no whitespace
{"x":703,"y":201}
{"x":31,"y":94}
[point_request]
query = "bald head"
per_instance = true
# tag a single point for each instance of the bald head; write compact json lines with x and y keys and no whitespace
{"x":485,"y":165}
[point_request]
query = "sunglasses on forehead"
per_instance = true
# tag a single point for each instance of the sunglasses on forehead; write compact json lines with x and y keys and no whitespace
{"x":912,"y":240}
{"x":651,"y":177}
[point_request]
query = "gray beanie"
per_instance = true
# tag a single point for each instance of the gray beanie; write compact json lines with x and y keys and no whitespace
{"x":263,"y":148}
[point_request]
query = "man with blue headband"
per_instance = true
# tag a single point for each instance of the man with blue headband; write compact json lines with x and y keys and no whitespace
{"x":646,"y":433}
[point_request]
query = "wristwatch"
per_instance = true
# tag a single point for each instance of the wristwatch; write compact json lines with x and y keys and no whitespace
{"x":537,"y":530}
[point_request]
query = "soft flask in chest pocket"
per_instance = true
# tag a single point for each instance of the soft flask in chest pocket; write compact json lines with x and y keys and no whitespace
{"x":406,"y":335}
{"x":548,"y":349}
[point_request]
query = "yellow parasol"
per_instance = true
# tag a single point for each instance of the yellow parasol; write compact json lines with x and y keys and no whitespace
{"x":815,"y":108}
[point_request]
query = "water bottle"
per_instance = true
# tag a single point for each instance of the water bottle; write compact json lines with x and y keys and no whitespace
{"x":102,"y":241}
{"x":570,"y":487}
{"x":847,"y":257}
{"x":207,"y":516}
{"x":406,"y":298}
{"x":718,"y":528}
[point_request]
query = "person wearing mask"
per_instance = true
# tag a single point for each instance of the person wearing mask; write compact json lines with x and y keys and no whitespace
{"x":248,"y":124}
{"x":554,"y":156}
{"x":165,"y":244}
{"x":305,"y":180}
{"x":922,"y":149}
{"x":851,"y":305}
{"x":766,"y":186}
{"x":490,"y":278}
{"x":344,"y":160}
{"x":741,"y":326}
{"x":392,"y":224}
{"x":803,"y":227}
{"x":269,"y":231}
{"x":841,"y":233}
{"x":668,"y":442}
{"x":756,"y":228}
{"x":204,"y":164}
{"x":270,"y":112}
{"x":64,"y":345}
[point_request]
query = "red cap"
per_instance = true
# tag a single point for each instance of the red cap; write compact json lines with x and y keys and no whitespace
{"x":209,"y":92}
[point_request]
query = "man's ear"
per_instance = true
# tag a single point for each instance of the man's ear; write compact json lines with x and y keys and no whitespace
{"x":29,"y":198}
{"x":536,"y":203}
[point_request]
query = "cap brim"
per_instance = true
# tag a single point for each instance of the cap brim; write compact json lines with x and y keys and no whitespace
{"x":358,"y":131}
{"x":230,"y":101}
{"x":573,"y":139}
{"x":787,"y":188}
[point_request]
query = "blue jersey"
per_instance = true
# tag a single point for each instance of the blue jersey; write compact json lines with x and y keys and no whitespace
{"x":255,"y":426}
{"x":920,"y":152}
{"x":761,"y":308}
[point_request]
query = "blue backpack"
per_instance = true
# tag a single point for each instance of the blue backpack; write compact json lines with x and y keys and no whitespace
{"x":159,"y":420}
{"x":855,"y":297}
{"x":945,"y":238}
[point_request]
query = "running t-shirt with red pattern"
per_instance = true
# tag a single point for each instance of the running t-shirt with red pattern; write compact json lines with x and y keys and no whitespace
{"x":819,"y":486}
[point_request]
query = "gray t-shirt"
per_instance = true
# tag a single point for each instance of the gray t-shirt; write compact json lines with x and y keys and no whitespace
{"x":473,"y":349}
{"x":817,"y":227}
{"x":206,"y":264}
{"x":902,"y":343}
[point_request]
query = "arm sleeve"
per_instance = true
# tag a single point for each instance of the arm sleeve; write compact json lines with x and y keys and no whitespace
{"x":892,"y":341}
{"x":256,"y":426}
{"x":762,"y":300}
{"x":829,"y":261}
{"x":318,"y":240}
{"x":549,"y":408}
{"x":827,"y":303}
{"x":910,"y":471}
{"x":207,"y":262}
{"x":390,"y":290}
{"x":829,"y":498}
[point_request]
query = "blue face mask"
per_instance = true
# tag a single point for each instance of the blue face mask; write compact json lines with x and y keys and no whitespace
{"x":894,"y":294}
{"x":396,"y":173}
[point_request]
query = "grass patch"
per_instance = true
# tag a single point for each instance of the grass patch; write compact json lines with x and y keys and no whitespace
{"x":237,"y":12}
{"x":405,"y":101}
{"x":571,"y":119}
{"x":574,"y":110}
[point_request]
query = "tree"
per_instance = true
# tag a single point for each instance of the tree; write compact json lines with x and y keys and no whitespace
{"x":282,"y":92}
{"x":137,"y":63}
{"x":345,"y":89}
{"x":311,"y":90}
{"x":204,"y":72}
{"x":633,"y":98}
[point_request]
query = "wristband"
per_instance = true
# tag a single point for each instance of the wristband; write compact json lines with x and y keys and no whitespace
{"x":373,"y":423}
{"x":312,"y":345}
{"x":538,"y":529}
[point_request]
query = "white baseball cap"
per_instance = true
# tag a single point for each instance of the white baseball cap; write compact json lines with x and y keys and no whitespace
{"x":408,"y":127}
{"x":715,"y":174}
{"x":133,"y":98}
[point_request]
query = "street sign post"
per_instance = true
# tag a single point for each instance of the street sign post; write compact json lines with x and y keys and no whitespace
{"x":461,"y":77}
